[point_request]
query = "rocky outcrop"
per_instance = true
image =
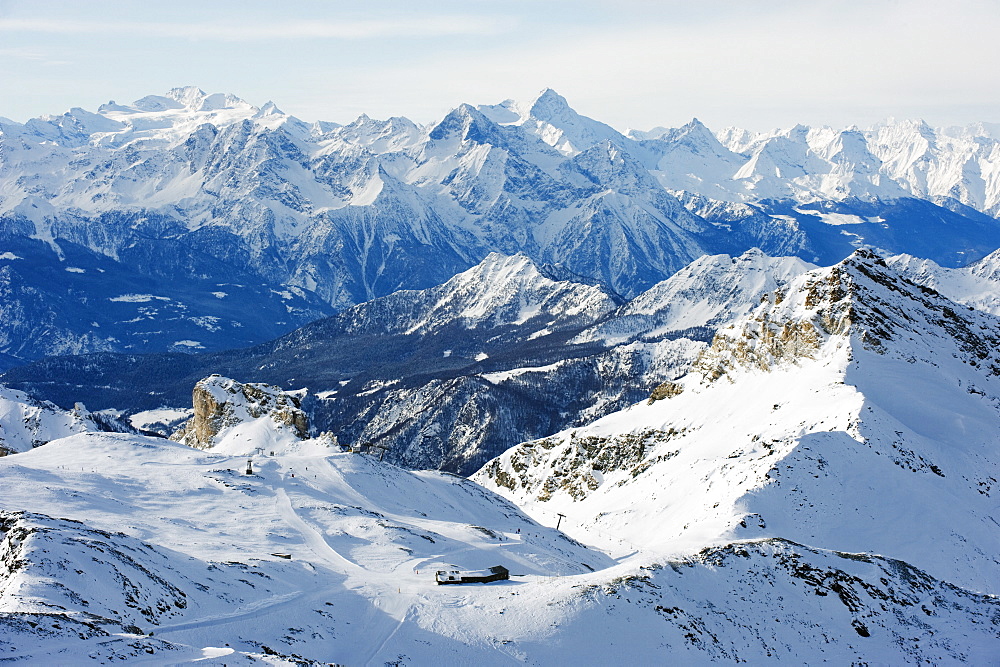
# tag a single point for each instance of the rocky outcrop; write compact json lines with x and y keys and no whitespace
{"x":664,"y":390}
{"x":792,"y":326}
{"x":861,"y":299}
{"x":853,"y":393}
{"x":576,"y":464}
{"x":220,"y":403}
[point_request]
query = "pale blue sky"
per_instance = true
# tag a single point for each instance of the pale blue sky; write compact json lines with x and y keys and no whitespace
{"x":630,"y":63}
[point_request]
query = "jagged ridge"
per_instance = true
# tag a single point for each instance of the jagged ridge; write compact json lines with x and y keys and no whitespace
{"x":850,"y":381}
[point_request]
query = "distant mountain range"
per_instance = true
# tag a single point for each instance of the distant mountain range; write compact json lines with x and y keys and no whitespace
{"x":451,"y":376}
{"x":196,"y":221}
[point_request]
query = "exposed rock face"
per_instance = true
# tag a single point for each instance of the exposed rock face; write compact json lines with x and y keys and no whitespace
{"x":579,"y":463}
{"x":664,"y":390}
{"x":858,"y":298}
{"x":220,"y":403}
{"x":788,"y":327}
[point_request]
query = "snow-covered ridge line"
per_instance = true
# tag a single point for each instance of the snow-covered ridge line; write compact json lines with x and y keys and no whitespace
{"x":849,"y":380}
{"x":888,"y":160}
{"x":26,"y":423}
{"x":833,"y":447}
{"x":502,"y":345}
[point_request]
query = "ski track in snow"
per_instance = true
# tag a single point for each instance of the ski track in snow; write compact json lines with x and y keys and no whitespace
{"x":395,"y":595}
{"x":313,"y":537}
{"x":253,"y":610}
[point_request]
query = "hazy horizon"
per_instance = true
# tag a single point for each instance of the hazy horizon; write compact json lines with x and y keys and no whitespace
{"x":631,"y":64}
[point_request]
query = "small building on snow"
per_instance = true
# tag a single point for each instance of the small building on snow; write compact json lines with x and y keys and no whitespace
{"x":495,"y":573}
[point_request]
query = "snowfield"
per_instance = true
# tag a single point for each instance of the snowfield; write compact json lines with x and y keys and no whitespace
{"x":851,"y":411}
{"x":163,"y":554}
{"x":185,"y":543}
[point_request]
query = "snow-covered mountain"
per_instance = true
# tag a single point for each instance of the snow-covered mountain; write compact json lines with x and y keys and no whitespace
{"x":449,"y":377}
{"x":976,"y":285}
{"x":499,"y":292}
{"x":711,"y":291}
{"x":124,"y":548}
{"x":182,"y":543}
{"x":236,"y":418}
{"x":190,"y":195}
{"x":814,"y":485}
{"x":853,"y":411}
{"x":26,"y":423}
{"x":889,"y":161}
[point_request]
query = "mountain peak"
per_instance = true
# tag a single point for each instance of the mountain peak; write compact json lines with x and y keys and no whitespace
{"x":196,"y":99}
{"x":269,"y":109}
{"x":189,"y":96}
{"x":553,"y":121}
{"x":849,"y":382}
{"x":709,"y":292}
{"x":548,"y":105}
{"x":861,"y":302}
{"x":987,"y":267}
{"x":502,"y":290}
{"x":226,"y":411}
{"x":468,"y":123}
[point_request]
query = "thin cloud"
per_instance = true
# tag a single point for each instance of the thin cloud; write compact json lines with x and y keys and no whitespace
{"x":22,"y":54}
{"x":440,"y":26}
{"x":30,"y":55}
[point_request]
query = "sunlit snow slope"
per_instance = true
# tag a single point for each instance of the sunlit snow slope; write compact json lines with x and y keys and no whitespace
{"x":116,"y":547}
{"x":26,"y":423}
{"x":853,"y":410}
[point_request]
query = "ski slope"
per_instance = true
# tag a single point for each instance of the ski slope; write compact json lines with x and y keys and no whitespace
{"x":120,"y":547}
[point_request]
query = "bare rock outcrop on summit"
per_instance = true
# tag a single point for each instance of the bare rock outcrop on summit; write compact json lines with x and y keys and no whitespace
{"x":220,"y":403}
{"x":849,"y":411}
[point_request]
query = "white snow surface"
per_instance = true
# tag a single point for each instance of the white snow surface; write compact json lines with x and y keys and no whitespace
{"x":162,"y":552}
{"x":503,"y":376}
{"x":365,"y":540}
{"x":976,"y":285}
{"x":819,"y":488}
{"x":159,"y":157}
{"x":888,"y":161}
{"x":853,"y":412}
{"x":712,"y":290}
{"x":26,"y":423}
{"x":138,"y":298}
{"x":499,"y":291}
{"x":159,"y":418}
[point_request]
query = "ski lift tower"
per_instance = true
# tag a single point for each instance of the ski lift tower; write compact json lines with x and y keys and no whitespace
{"x":249,"y":466}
